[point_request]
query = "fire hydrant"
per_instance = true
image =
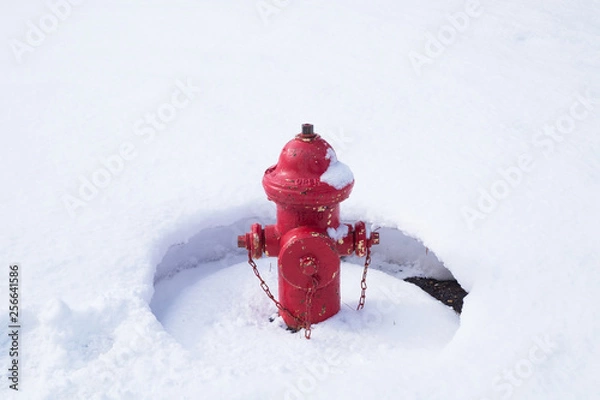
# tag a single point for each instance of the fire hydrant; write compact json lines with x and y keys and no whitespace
{"x":307,"y":184}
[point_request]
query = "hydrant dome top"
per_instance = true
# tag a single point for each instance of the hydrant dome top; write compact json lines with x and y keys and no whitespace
{"x":296,"y":178}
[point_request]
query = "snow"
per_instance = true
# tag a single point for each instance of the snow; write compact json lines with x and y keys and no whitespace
{"x":122,"y":197}
{"x":337,"y":174}
{"x":338,"y":233}
{"x":353,"y":335}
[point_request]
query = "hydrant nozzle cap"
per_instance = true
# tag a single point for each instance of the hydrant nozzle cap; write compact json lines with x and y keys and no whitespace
{"x":241,"y":242}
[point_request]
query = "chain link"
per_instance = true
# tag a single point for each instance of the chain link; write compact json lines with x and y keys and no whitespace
{"x":363,"y":282}
{"x":309,"y":297}
{"x":265,"y":288}
{"x":306,"y":324}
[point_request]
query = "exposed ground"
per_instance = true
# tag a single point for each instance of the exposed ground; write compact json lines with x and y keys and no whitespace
{"x":448,"y":292}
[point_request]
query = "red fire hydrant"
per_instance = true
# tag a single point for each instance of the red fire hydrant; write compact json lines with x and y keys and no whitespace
{"x":307,"y":184}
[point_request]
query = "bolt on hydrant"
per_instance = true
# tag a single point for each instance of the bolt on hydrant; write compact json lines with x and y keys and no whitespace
{"x":307,"y":184}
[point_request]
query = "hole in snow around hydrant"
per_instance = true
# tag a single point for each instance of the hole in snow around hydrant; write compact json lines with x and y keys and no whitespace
{"x":206,"y":294}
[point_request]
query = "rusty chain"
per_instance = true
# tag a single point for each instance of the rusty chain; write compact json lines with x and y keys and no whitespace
{"x":363,"y":281}
{"x":265,"y":288}
{"x":309,"y":297}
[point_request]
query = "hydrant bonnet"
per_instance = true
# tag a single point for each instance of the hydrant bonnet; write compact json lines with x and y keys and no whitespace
{"x":297,"y":177}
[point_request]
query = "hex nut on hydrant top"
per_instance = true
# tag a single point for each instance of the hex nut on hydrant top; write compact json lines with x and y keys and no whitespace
{"x":307,"y":184}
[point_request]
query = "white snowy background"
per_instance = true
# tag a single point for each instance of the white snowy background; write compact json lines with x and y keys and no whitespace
{"x":471,"y":127}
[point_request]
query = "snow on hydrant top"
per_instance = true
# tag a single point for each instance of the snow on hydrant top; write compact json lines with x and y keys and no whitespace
{"x":338,"y":174}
